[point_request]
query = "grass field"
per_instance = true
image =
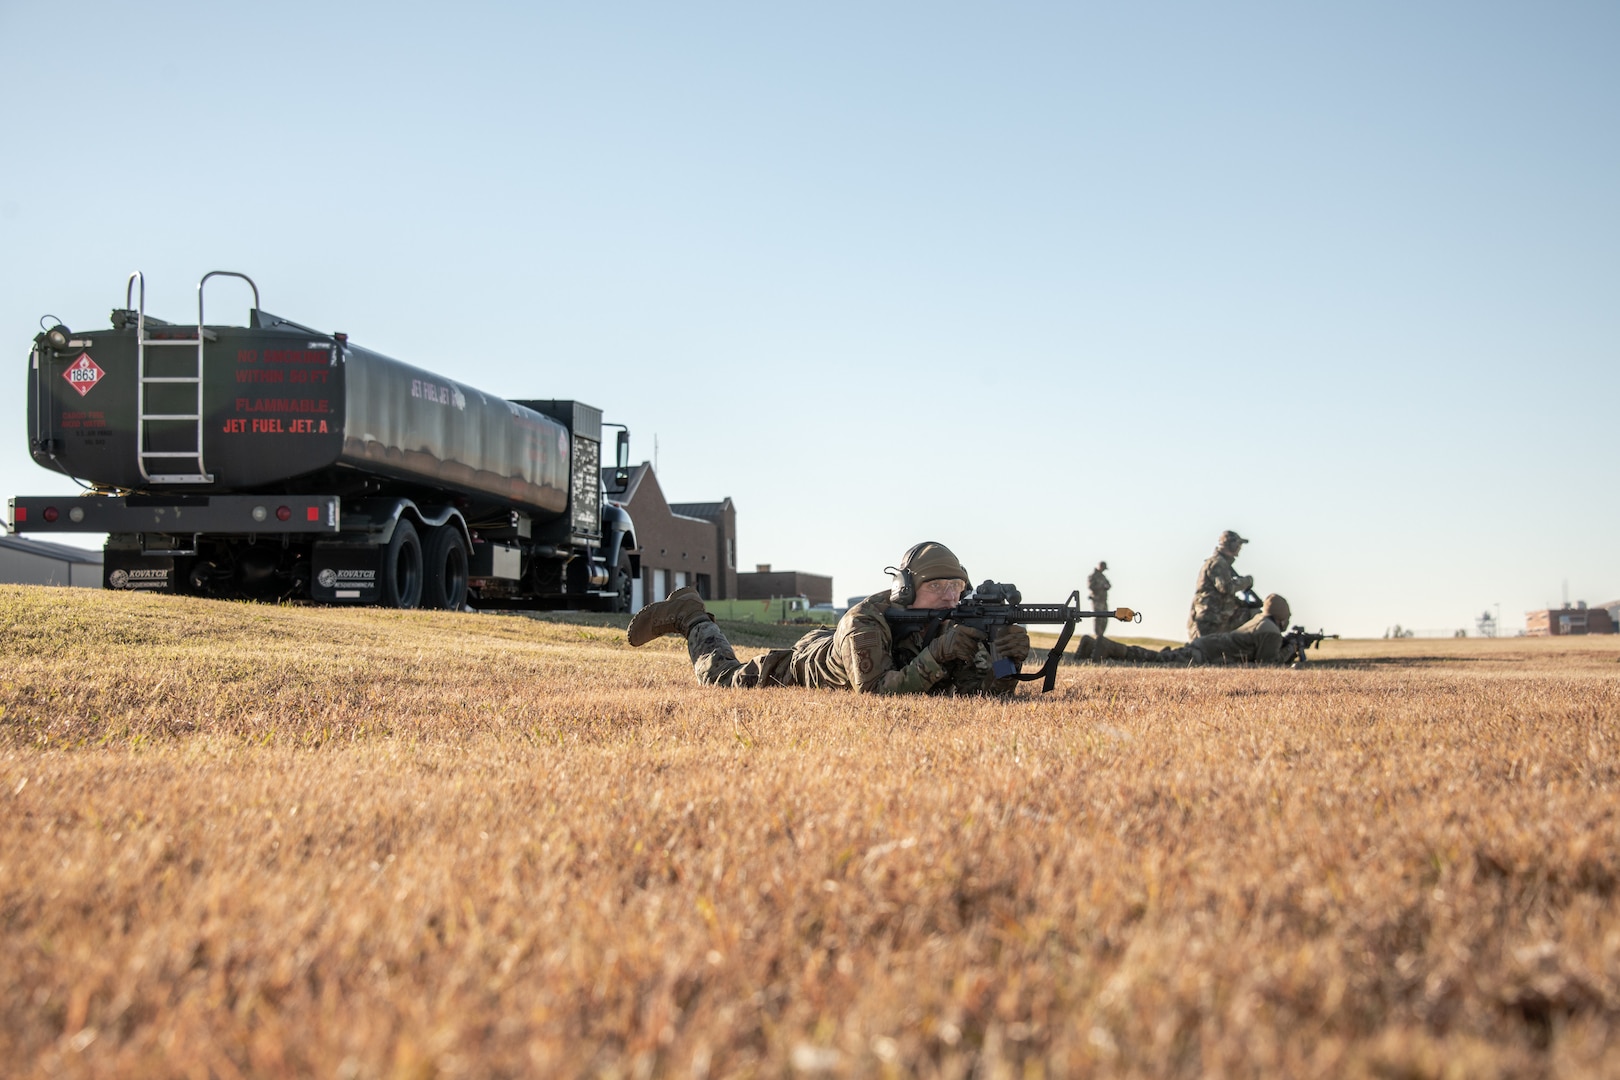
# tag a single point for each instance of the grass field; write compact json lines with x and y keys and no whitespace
{"x":260,"y":841}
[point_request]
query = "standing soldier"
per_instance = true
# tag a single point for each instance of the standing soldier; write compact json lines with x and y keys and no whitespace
{"x":1215,"y":604}
{"x":1098,"y":584}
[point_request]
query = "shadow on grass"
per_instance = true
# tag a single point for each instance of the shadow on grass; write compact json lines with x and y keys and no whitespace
{"x":749,"y":635}
{"x":1369,"y":662}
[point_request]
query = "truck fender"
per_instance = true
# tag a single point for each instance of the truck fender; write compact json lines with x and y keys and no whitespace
{"x":382,"y":515}
{"x":618,"y":532}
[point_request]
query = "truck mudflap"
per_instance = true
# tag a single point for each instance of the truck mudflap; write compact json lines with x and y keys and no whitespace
{"x":177,"y":514}
{"x":129,"y":569}
{"x":346,"y":573}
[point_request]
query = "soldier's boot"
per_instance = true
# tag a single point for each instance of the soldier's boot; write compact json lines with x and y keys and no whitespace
{"x":1082,"y":651}
{"x":677,"y":615}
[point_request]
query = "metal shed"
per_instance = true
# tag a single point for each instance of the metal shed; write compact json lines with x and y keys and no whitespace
{"x":35,"y":562}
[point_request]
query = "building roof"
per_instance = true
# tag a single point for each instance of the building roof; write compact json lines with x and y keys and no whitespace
{"x":65,"y":552}
{"x":708,"y":511}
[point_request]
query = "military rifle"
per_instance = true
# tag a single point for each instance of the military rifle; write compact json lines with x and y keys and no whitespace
{"x":1297,"y":640}
{"x":1249,"y":605}
{"x":993,"y":605}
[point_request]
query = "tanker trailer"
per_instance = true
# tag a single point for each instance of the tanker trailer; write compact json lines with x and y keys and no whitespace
{"x":273,"y":461}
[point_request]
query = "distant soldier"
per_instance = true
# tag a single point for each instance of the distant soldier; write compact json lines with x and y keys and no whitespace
{"x":1098,"y":584}
{"x":1215,"y":607}
{"x":1258,"y":641}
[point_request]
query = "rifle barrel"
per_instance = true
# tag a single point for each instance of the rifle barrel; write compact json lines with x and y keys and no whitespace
{"x":1019,"y":613}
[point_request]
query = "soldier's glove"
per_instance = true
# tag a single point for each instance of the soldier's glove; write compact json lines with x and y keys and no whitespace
{"x":1012,"y":641}
{"x":956,"y":643}
{"x":1244,"y":582}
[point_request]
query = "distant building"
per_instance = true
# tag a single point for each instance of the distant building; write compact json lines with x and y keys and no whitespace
{"x":723,"y":516}
{"x":682,"y":544}
{"x":1580,"y":619}
{"x":765,"y":583}
{"x":35,"y":562}
{"x":695,"y":543}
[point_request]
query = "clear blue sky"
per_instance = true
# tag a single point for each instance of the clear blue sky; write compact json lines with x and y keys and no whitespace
{"x":1047,"y":282}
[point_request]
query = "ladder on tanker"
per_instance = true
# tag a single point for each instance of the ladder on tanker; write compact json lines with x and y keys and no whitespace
{"x":183,"y":464}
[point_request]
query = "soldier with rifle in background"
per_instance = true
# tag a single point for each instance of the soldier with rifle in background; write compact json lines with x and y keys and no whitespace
{"x":1097,"y":584}
{"x":1261,"y":640}
{"x":1215,"y":607}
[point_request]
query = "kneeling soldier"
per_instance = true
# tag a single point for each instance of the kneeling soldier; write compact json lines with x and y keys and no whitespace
{"x":861,"y":653}
{"x":1215,"y":606}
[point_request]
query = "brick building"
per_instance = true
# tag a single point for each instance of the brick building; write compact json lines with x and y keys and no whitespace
{"x":1558,"y":622}
{"x":723,"y":516}
{"x":681,"y":544}
{"x":765,"y":584}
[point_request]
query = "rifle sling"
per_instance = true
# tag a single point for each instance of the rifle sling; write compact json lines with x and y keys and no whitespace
{"x":1048,"y":670}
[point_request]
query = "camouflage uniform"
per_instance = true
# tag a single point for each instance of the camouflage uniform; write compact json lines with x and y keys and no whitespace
{"x":1258,"y":641}
{"x":860,"y":654}
{"x":1215,"y":605}
{"x":1097,"y":583}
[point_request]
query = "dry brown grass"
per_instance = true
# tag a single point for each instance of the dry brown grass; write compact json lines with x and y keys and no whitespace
{"x":260,"y":841}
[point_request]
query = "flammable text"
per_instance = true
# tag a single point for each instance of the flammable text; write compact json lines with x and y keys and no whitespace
{"x":282,"y":404}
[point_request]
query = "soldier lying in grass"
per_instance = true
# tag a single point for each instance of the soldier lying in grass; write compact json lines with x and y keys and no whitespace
{"x":1258,"y":641}
{"x":862,"y":653}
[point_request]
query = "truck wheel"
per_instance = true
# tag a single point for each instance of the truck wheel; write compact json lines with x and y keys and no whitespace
{"x":402,"y":568}
{"x":445,"y":564}
{"x":623,"y":579}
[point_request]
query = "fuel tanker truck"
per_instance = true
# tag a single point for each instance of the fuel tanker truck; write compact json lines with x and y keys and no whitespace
{"x":272,"y":461}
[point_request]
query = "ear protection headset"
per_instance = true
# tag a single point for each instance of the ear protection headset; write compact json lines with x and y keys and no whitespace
{"x":905,"y":589}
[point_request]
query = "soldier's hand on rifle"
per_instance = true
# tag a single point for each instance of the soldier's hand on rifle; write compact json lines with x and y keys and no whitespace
{"x":1012,"y":641}
{"x":1244,"y":582}
{"x":956,"y":643}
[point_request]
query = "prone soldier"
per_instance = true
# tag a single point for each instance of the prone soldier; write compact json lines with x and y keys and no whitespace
{"x":1215,"y":608}
{"x":863,"y":653}
{"x":1258,"y":641}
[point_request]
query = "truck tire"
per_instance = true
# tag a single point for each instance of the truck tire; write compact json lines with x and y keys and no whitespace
{"x":623,"y":580}
{"x":444,"y":583}
{"x":401,"y":584}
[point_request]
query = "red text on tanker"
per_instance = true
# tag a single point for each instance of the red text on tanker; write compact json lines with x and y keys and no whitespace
{"x":285,"y":356}
{"x":282,"y":405}
{"x":273,"y":425}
